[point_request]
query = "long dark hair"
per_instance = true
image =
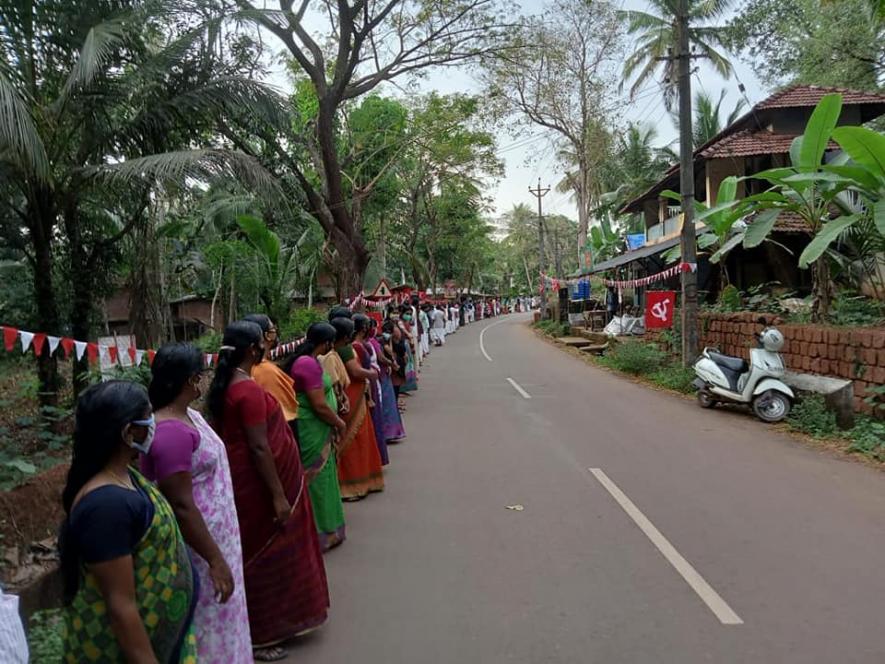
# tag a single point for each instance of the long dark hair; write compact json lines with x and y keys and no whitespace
{"x":343,"y":328}
{"x":238,"y":338}
{"x":317,"y":333}
{"x":361,"y":323}
{"x":340,"y":312}
{"x":103,"y":411}
{"x":173,"y":366}
{"x":261,"y":320}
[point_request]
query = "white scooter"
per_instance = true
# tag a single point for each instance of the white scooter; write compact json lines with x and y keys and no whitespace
{"x":722,"y":378}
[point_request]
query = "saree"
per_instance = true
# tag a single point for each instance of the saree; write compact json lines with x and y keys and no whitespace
{"x":359,"y":462}
{"x":165,"y":593}
{"x":391,"y":420}
{"x":318,"y":457}
{"x":287,"y":592}
{"x":370,"y":361}
{"x":411,"y":383}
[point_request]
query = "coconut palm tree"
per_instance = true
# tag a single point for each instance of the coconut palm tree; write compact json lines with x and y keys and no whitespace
{"x":96,"y":124}
{"x":656,"y":40}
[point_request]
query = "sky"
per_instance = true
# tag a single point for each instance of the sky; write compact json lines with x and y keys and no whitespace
{"x":531,"y":156}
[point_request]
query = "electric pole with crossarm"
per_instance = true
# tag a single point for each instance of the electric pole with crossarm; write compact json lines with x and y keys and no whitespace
{"x":539,"y":193}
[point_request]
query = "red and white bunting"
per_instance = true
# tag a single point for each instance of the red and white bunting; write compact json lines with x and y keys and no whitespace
{"x":669,"y":273}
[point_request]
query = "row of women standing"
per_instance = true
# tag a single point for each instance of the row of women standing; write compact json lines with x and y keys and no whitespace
{"x":213,"y":552}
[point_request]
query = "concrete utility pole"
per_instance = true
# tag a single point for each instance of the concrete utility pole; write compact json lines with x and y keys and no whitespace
{"x":688,"y":241}
{"x":539,"y":193}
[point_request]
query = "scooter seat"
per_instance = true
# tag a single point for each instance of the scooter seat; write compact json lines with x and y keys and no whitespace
{"x":727,"y":361}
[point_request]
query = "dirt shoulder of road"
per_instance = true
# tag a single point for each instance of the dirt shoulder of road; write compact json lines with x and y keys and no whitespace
{"x":837,"y":448}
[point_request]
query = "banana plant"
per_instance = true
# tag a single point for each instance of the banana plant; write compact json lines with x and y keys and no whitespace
{"x":813,"y":191}
{"x":723,"y":232}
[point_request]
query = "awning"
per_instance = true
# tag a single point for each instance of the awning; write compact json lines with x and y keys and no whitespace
{"x":644,"y":252}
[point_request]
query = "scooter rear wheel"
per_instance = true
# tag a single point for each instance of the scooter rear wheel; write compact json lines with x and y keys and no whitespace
{"x":771,"y":406}
{"x":705,"y":399}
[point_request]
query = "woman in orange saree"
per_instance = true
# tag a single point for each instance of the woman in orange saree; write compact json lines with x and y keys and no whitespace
{"x":359,"y":462}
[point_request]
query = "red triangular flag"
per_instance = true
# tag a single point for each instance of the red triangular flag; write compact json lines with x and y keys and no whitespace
{"x":132,"y":354}
{"x":10,"y":334}
{"x":39,"y":341}
{"x":92,"y":352}
{"x":68,"y":345}
{"x":150,"y":355}
{"x":113,"y":353}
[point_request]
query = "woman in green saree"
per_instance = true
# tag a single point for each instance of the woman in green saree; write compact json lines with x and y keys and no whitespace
{"x":319,"y":427}
{"x":130,"y":588}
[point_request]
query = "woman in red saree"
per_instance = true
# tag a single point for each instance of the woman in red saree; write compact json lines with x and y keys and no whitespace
{"x":359,"y":462}
{"x":286,"y":589}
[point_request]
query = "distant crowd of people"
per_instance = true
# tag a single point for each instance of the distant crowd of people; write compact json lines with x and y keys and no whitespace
{"x":199,"y":536}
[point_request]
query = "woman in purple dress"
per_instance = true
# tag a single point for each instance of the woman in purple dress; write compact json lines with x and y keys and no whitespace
{"x":362,"y":325}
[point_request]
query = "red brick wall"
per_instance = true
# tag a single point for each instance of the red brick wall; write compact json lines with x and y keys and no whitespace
{"x":857,"y":354}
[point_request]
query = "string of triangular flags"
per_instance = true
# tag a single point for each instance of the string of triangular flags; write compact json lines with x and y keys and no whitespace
{"x":363,"y":300}
{"x":93,"y":351}
{"x":669,"y":273}
{"x":553,"y":283}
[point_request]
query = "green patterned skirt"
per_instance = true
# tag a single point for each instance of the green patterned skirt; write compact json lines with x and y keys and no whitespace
{"x":164,"y":592}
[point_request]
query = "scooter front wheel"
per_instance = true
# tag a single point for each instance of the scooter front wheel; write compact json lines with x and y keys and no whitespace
{"x":771,"y":406}
{"x":705,"y":398}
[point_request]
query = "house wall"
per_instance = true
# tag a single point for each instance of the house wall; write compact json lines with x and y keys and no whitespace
{"x":856,"y":354}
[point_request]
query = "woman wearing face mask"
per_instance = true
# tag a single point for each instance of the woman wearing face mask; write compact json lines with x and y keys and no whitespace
{"x":359,"y":463}
{"x":318,"y":426}
{"x":130,"y":588}
{"x":392,"y":422}
{"x":189,"y":463}
{"x":286,"y":589}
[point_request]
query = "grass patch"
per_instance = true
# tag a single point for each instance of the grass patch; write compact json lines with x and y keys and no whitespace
{"x":811,"y":417}
{"x":553,"y":328}
{"x":634,"y":357}
{"x":674,"y":377}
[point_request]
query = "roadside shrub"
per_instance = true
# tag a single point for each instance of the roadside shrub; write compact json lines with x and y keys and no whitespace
{"x":868,"y":437}
{"x":811,"y":416}
{"x":634,"y":357}
{"x":849,"y":309}
{"x":674,"y":377}
{"x":298,"y":322}
{"x":730,"y":299}
{"x":554,"y":328}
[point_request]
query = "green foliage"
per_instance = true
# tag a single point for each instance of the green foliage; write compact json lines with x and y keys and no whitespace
{"x":868,"y":437}
{"x":140,"y":374}
{"x":209,"y":342}
{"x":674,"y":377}
{"x":634,"y":357}
{"x":45,"y":636}
{"x":299,"y":320}
{"x":811,"y":416}
{"x":856,"y":310}
{"x":811,"y":42}
{"x":553,"y":328}
{"x":730,"y":299}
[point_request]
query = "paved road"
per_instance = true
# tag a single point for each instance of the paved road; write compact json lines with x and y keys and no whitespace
{"x":789,"y":541}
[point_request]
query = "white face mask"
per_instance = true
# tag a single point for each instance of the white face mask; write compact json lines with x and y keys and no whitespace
{"x":145,"y":446}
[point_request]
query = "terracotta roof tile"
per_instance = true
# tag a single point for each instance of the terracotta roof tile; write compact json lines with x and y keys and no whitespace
{"x":748,"y":143}
{"x":788,"y":222}
{"x":810,"y":95}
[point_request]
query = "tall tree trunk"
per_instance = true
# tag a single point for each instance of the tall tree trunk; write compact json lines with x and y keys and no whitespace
{"x":41,"y":218}
{"x":823,"y":288}
{"x":146,"y":294}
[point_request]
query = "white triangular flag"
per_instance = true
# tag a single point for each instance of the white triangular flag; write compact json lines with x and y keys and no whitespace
{"x":139,"y":356}
{"x":26,"y":338}
{"x":53,"y":344}
{"x":80,"y":348}
{"x":208,"y":359}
